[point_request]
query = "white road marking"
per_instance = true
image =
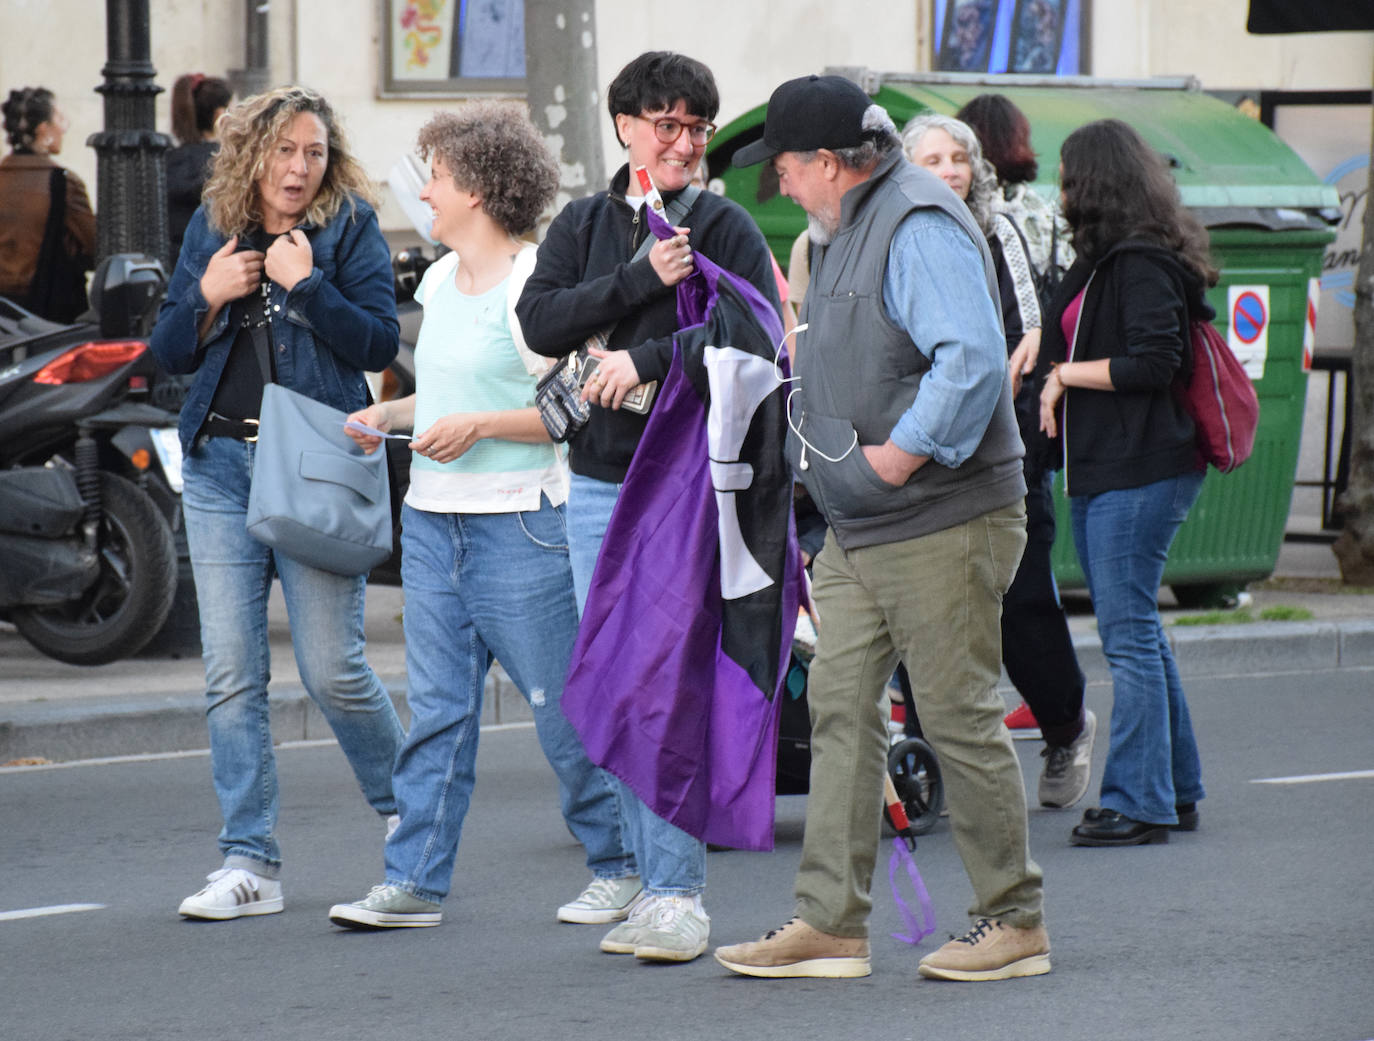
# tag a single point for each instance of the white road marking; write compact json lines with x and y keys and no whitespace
{"x":152,"y":757}
{"x":43,"y":912}
{"x":1349,"y":775}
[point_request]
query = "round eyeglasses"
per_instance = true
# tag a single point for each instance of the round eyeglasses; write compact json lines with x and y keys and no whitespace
{"x":669,"y":130}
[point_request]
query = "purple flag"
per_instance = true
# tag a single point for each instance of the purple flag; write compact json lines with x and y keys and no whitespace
{"x":687,"y":631}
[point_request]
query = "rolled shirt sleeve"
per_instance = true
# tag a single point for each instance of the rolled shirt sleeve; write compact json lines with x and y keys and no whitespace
{"x":935,"y":289}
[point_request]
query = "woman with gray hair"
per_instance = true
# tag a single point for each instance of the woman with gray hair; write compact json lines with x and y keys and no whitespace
{"x":1037,"y":649}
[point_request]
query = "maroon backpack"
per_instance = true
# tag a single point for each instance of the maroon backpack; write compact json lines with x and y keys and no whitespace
{"x":1221,"y":399}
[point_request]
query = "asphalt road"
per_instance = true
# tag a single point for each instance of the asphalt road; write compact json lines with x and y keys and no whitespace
{"x":1257,"y":926}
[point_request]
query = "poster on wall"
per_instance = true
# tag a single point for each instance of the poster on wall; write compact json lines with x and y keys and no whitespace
{"x":1039,"y":37}
{"x":1330,"y":131}
{"x":453,"y":46}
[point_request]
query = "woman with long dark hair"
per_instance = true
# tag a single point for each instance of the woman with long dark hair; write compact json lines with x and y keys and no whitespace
{"x":1117,"y":339}
{"x":47,"y":229}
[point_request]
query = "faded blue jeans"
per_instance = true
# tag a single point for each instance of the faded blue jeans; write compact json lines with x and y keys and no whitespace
{"x":479,"y":585}
{"x":671,"y":862}
{"x":1123,"y":539}
{"x":233,"y":573}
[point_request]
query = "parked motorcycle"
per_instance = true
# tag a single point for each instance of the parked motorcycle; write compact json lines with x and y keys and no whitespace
{"x":89,"y":472}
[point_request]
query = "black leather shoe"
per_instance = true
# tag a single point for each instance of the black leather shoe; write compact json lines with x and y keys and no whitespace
{"x":1109,"y":828}
{"x":1188,"y":817}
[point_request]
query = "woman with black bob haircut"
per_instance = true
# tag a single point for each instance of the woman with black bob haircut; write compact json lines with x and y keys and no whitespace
{"x":1117,"y":338}
{"x":600,"y":273}
{"x":285,"y":253}
{"x":197,"y":103}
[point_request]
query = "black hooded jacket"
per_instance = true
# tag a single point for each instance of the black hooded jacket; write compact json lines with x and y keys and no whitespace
{"x":1137,"y":310}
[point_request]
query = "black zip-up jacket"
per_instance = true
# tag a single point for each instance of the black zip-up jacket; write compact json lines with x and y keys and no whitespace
{"x":583,"y":281}
{"x":1136,"y":312}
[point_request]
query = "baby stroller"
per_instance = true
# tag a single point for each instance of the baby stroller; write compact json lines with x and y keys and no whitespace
{"x":911,"y":762}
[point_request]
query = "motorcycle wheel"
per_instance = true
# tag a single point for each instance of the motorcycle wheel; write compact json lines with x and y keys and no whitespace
{"x":130,"y":599}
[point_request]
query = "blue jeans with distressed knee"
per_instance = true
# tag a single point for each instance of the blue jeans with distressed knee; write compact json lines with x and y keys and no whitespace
{"x":478,"y":586}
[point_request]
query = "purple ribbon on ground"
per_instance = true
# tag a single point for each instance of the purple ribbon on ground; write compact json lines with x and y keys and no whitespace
{"x":916,"y":930}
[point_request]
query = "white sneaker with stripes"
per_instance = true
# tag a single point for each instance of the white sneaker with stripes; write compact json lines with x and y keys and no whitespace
{"x":233,"y":893}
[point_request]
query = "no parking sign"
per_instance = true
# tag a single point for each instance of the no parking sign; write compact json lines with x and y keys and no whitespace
{"x":1248,"y":326}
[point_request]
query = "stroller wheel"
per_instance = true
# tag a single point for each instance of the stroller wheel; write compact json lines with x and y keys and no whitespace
{"x":916,"y":775}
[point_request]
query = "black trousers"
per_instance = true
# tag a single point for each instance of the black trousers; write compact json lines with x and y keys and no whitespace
{"x":1037,"y":649}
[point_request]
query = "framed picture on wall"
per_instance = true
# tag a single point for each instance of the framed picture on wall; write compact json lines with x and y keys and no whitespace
{"x":1037,"y":33}
{"x":966,"y":40}
{"x":452,"y":47}
{"x":1035,"y":37}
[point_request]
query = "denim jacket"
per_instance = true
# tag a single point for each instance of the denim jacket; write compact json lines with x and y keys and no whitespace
{"x":326,"y":332}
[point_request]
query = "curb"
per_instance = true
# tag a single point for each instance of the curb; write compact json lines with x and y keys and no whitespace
{"x":89,"y":728}
{"x":96,"y":728}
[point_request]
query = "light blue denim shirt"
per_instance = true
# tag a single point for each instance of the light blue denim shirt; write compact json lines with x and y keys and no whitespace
{"x":936,"y":290}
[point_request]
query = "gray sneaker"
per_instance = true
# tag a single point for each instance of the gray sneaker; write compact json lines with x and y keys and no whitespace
{"x":678,"y":930}
{"x":625,"y":937}
{"x":1064,"y":779}
{"x":386,"y":907}
{"x":604,"y":900}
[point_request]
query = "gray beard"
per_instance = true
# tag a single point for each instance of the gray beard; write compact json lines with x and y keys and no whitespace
{"x":821,"y":230}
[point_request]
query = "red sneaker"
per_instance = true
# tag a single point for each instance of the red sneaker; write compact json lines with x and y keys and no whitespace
{"x":1021,"y":718}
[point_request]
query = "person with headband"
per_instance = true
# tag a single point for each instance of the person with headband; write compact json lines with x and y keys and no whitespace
{"x":47,"y":229}
{"x":901,"y":426}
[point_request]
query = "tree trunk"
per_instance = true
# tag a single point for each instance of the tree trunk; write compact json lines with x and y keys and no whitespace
{"x":564,"y":97}
{"x":1354,"y":548}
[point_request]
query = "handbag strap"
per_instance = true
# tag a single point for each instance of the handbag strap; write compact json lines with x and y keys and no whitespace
{"x":674,"y":213}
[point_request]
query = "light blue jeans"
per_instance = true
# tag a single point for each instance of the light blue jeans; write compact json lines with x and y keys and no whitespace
{"x":1123,"y":540}
{"x":671,"y":862}
{"x":477,"y":586}
{"x":233,"y":573}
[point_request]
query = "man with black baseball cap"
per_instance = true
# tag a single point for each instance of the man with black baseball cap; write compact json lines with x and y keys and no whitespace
{"x":901,"y":427}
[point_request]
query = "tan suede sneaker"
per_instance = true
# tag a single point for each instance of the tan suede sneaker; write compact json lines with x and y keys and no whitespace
{"x":796,"y":949}
{"x":991,"y":950}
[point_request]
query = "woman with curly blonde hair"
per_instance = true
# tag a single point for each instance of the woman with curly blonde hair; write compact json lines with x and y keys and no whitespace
{"x":485,"y":551}
{"x":283,"y":276}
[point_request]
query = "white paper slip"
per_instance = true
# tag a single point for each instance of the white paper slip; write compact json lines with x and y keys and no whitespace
{"x":363,"y":428}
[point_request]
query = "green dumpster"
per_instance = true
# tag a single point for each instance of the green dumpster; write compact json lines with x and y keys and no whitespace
{"x":1268,"y":218}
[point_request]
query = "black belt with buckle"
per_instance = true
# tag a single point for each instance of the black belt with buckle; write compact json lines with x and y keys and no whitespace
{"x":216,"y":425}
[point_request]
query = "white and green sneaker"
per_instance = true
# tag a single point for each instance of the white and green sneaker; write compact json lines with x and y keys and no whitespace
{"x":604,"y":900}
{"x":386,"y":907}
{"x":678,"y":930}
{"x":625,"y":937}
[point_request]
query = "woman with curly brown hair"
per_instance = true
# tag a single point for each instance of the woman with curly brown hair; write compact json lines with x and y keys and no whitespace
{"x":283,"y":276}
{"x":485,"y":551}
{"x":1118,"y":338}
{"x":47,"y":229}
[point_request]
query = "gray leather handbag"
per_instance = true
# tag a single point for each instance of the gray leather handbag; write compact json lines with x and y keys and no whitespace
{"x":315,"y":496}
